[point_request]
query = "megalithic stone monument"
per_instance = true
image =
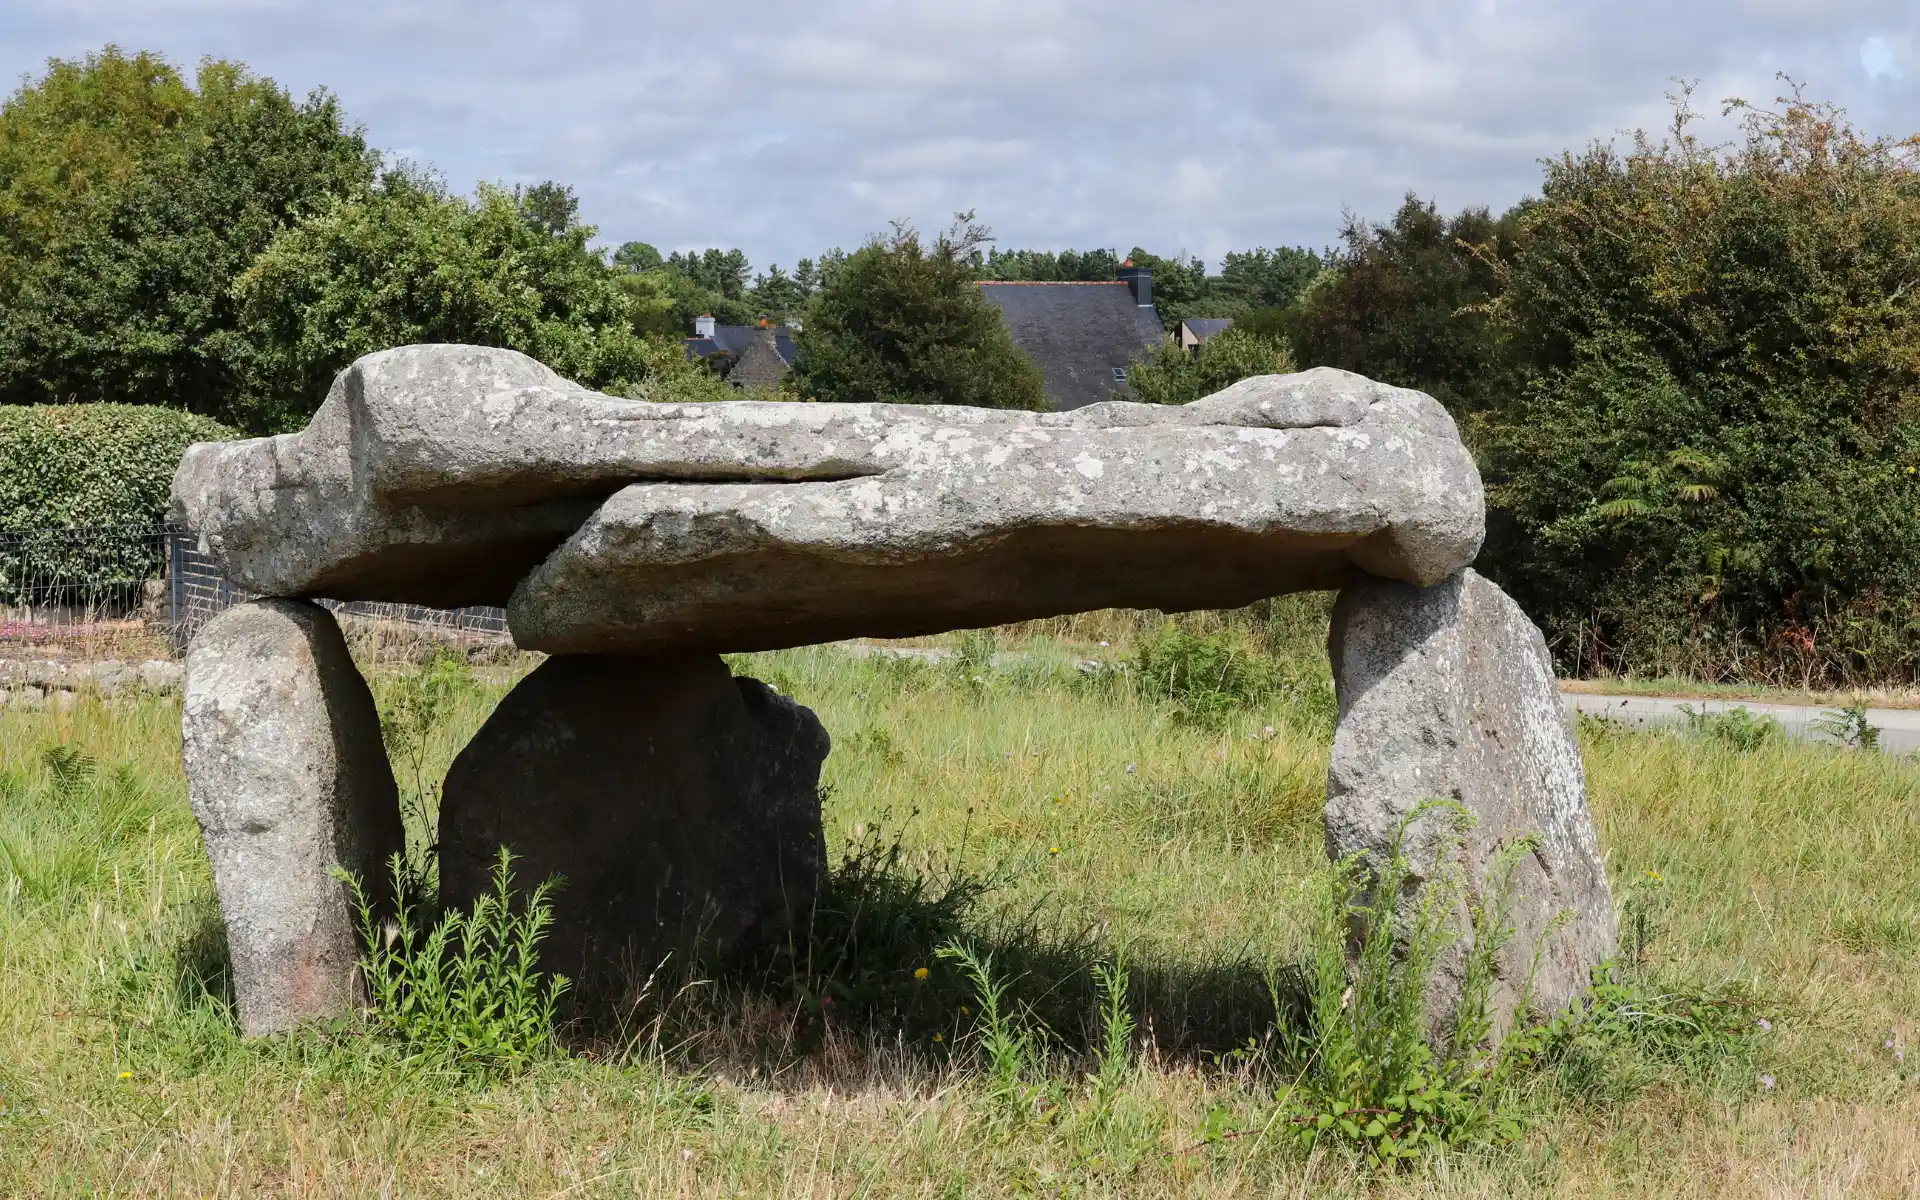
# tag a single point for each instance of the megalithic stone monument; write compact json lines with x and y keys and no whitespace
{"x":638,"y":537}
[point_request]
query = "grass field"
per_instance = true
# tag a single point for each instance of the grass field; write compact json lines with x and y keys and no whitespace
{"x":1789,"y":874}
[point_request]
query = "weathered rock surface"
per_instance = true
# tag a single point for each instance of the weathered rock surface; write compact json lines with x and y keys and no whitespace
{"x":1447,"y":692}
{"x":678,"y":802}
{"x":443,"y":475}
{"x":288,"y":777}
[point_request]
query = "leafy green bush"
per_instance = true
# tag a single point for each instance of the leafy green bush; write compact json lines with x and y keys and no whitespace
{"x":467,"y":994}
{"x":1687,"y":370}
{"x":1204,"y":676}
{"x":1715,"y":454}
{"x":93,"y":465}
{"x":1173,"y":375}
{"x":104,"y":468}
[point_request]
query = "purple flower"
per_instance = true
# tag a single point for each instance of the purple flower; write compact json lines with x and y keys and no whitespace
{"x":1764,"y":1025}
{"x":1766,"y":1083}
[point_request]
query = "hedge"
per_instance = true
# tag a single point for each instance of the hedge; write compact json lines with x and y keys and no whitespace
{"x":81,"y":489}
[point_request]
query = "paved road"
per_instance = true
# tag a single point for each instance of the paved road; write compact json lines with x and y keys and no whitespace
{"x":1899,"y":727}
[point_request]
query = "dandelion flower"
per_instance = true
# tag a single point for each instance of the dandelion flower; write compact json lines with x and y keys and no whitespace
{"x":1053,"y":849}
{"x":939,"y":1037}
{"x":126,"y":1074}
{"x":919,"y":972}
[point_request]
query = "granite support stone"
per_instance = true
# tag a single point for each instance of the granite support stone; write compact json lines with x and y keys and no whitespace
{"x":288,"y":776}
{"x":1447,"y":693}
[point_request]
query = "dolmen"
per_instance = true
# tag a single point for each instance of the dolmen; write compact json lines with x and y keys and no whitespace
{"x":635,"y":543}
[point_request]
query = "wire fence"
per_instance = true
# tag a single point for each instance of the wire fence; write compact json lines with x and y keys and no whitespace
{"x":62,"y":586}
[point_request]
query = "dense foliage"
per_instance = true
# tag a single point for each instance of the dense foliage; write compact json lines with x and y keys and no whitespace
{"x":1690,"y":372}
{"x":903,"y":322}
{"x":93,"y":465}
{"x":222,"y":248}
{"x":1176,"y":375}
{"x":82,"y":488}
{"x":1715,"y":452}
{"x":1407,"y":302}
{"x":120,"y":251}
{"x":405,"y":262}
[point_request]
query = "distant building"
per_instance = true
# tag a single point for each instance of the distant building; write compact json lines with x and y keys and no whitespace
{"x":1194,"y":332}
{"x":750,"y":357}
{"x":1082,"y":336}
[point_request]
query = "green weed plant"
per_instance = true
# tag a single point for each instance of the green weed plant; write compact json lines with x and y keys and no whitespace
{"x":1367,"y":1070}
{"x":468,"y":992}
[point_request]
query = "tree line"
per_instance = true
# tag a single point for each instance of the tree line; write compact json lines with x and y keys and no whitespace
{"x":1689,"y":370}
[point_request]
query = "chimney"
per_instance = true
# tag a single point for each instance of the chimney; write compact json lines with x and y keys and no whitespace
{"x":703,"y":325}
{"x":1139,"y":280}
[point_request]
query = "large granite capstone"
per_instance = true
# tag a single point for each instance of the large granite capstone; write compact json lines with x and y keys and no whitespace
{"x":454,"y":475}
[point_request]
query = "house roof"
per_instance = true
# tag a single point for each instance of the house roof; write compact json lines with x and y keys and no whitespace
{"x":736,"y":340}
{"x":1077,"y":334}
{"x":1206,"y":327}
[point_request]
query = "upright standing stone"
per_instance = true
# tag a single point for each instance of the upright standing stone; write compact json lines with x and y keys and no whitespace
{"x":1447,"y":692}
{"x":679,"y":805}
{"x":288,"y":777}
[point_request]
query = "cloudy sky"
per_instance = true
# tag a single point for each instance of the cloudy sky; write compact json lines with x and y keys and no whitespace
{"x":1200,"y":126}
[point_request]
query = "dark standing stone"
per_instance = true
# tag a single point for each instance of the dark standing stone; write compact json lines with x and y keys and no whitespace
{"x":680,"y":804}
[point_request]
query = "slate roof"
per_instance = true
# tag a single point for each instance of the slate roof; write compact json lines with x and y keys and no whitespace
{"x":1077,"y":333}
{"x":1206,"y":327}
{"x":736,"y":340}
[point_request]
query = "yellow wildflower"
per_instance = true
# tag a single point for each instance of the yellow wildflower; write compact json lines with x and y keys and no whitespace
{"x":1053,"y":849}
{"x":126,"y":1074}
{"x":919,"y":972}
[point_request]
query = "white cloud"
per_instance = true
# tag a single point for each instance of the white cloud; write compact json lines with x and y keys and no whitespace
{"x":1204,"y":126}
{"x":1882,"y":58}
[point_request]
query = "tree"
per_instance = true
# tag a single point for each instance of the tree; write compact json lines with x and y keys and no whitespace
{"x":405,"y":263}
{"x":1251,"y":280}
{"x":636,"y":257}
{"x":1712,"y":457}
{"x":1175,"y":375}
{"x":71,"y":141}
{"x":126,"y":291}
{"x":721,"y":271}
{"x":1179,"y":285}
{"x":778,"y":295}
{"x":550,"y":207}
{"x":1405,"y":303}
{"x":903,"y":322}
{"x":1094,"y":266}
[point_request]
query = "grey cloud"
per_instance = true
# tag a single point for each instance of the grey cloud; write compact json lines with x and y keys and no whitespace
{"x":1204,"y":126}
